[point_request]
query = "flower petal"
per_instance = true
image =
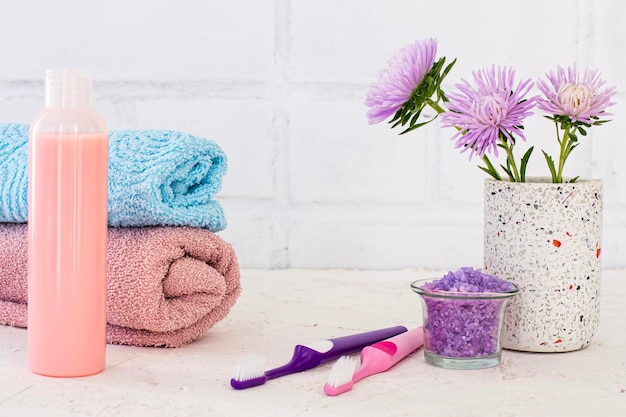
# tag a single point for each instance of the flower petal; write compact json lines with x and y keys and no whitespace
{"x":494,"y":107}
{"x":394,"y":85}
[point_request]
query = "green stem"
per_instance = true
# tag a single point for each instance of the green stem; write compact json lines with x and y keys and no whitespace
{"x":436,"y":107}
{"x":563,"y":154}
{"x":510,"y":158}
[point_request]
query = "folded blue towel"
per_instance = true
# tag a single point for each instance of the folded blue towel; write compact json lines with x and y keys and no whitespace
{"x":156,"y":178}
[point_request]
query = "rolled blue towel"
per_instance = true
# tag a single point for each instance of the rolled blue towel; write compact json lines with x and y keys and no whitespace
{"x":13,"y":173}
{"x":156,"y":178}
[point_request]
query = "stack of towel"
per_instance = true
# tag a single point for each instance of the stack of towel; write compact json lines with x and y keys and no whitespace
{"x":170,"y":277}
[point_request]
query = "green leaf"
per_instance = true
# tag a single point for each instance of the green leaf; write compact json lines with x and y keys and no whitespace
{"x":551,"y":166}
{"x":491,"y":169}
{"x":406,"y":117}
{"x":396,"y":116}
{"x":524,"y":163}
{"x":508,"y":172}
{"x":569,"y":150}
{"x":413,"y":127}
{"x":414,"y":119}
{"x":448,"y":68}
{"x":490,"y":172}
{"x":601,"y":122}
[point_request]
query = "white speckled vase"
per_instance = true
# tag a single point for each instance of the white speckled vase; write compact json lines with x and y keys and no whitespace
{"x":547,"y":239}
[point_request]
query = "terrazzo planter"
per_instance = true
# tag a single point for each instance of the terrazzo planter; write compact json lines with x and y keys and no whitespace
{"x":547,"y":239}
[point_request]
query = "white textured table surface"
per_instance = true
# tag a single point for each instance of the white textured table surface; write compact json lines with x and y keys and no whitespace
{"x":279,"y":309}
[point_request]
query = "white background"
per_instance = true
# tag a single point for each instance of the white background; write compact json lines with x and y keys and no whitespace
{"x":280,"y":86}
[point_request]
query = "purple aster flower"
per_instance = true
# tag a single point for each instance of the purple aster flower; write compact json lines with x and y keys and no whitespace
{"x":578,"y":98}
{"x":495,"y":107}
{"x":396,"y":84}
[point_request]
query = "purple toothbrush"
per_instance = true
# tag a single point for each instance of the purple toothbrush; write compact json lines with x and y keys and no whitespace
{"x":308,"y":356}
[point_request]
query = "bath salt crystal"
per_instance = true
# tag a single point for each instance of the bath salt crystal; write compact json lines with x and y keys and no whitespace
{"x":464,"y":327}
{"x":468,"y":279}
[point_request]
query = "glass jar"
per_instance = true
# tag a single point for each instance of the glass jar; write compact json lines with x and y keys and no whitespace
{"x":462,"y":329}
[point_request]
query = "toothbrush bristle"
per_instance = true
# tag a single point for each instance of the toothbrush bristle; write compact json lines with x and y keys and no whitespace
{"x":342,"y":372}
{"x":250,"y":367}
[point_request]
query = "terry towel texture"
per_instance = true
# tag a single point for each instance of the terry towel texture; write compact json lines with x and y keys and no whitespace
{"x":156,"y":177}
{"x":165,"y":285}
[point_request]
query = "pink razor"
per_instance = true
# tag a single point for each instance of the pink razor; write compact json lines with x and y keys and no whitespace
{"x":376,"y":358}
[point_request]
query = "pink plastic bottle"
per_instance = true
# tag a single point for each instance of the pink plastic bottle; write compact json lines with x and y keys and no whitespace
{"x":67,"y":230}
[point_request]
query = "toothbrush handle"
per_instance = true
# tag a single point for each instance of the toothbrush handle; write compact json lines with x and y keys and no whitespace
{"x":347,"y":345}
{"x":381,"y":356}
{"x":308,"y":357}
{"x":400,"y":346}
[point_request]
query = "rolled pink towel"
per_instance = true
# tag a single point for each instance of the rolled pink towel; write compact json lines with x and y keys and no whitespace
{"x":166,"y":286}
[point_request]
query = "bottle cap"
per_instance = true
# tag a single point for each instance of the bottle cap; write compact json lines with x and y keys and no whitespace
{"x":68,"y":88}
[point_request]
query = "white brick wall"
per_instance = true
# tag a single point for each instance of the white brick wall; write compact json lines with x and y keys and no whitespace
{"x":280,"y":85}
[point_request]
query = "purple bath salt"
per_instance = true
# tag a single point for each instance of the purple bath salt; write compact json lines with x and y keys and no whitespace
{"x":468,"y":279}
{"x":462,"y":325}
